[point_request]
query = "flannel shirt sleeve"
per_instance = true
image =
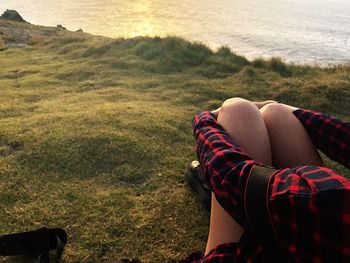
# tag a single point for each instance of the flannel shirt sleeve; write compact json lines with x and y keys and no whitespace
{"x":329,"y":134}
{"x":225,"y":164}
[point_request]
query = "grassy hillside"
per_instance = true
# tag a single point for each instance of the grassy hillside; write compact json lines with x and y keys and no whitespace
{"x":95,"y":133}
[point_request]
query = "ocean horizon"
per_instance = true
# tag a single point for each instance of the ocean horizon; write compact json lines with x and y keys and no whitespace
{"x":313,"y":32}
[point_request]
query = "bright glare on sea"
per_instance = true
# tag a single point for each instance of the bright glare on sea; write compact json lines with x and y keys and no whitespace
{"x":301,"y":31}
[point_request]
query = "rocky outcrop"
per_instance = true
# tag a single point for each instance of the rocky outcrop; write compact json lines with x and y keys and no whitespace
{"x":14,"y":34}
{"x":60,"y":27}
{"x":12,"y":15}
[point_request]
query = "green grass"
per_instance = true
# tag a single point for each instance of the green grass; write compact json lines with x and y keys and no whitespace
{"x":95,"y":134}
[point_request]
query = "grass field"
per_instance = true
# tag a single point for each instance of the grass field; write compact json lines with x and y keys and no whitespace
{"x":95,"y":134}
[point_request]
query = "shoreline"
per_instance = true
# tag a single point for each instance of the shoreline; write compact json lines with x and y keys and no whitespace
{"x":215,"y":47}
{"x":15,"y":34}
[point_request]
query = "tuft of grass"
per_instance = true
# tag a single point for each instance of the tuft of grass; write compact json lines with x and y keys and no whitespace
{"x":95,"y":134}
{"x":274,"y":64}
{"x":168,"y":55}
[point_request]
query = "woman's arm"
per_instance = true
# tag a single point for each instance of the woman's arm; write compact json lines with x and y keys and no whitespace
{"x":225,"y":164}
{"x":329,"y":134}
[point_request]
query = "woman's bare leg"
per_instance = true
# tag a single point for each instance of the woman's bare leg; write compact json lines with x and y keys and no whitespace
{"x":280,"y":141}
{"x":290,"y":143}
{"x":242,"y":120}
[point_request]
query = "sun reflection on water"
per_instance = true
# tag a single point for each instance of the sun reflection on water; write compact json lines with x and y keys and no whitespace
{"x":142,"y":22}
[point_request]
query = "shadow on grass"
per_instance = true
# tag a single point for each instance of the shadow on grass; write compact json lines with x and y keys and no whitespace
{"x":119,"y":157}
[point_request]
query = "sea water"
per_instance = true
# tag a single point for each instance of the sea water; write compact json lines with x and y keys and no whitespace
{"x":300,"y":31}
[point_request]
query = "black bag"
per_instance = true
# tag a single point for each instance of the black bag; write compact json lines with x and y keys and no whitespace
{"x":36,"y":243}
{"x":256,"y":207}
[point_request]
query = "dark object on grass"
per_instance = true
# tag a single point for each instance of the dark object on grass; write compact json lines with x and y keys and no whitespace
{"x":12,"y":15}
{"x":196,"y":180}
{"x":34,"y":243}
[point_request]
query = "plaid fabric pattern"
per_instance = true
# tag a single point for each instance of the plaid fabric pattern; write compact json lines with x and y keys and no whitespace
{"x":329,"y":134}
{"x":309,"y":205}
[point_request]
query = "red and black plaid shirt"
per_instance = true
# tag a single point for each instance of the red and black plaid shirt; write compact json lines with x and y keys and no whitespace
{"x":309,"y":205}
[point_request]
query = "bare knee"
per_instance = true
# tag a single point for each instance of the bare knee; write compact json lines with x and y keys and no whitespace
{"x":238,"y":107}
{"x":234,"y":102}
{"x":275,"y":113}
{"x":290,"y":142}
{"x":242,"y":120}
